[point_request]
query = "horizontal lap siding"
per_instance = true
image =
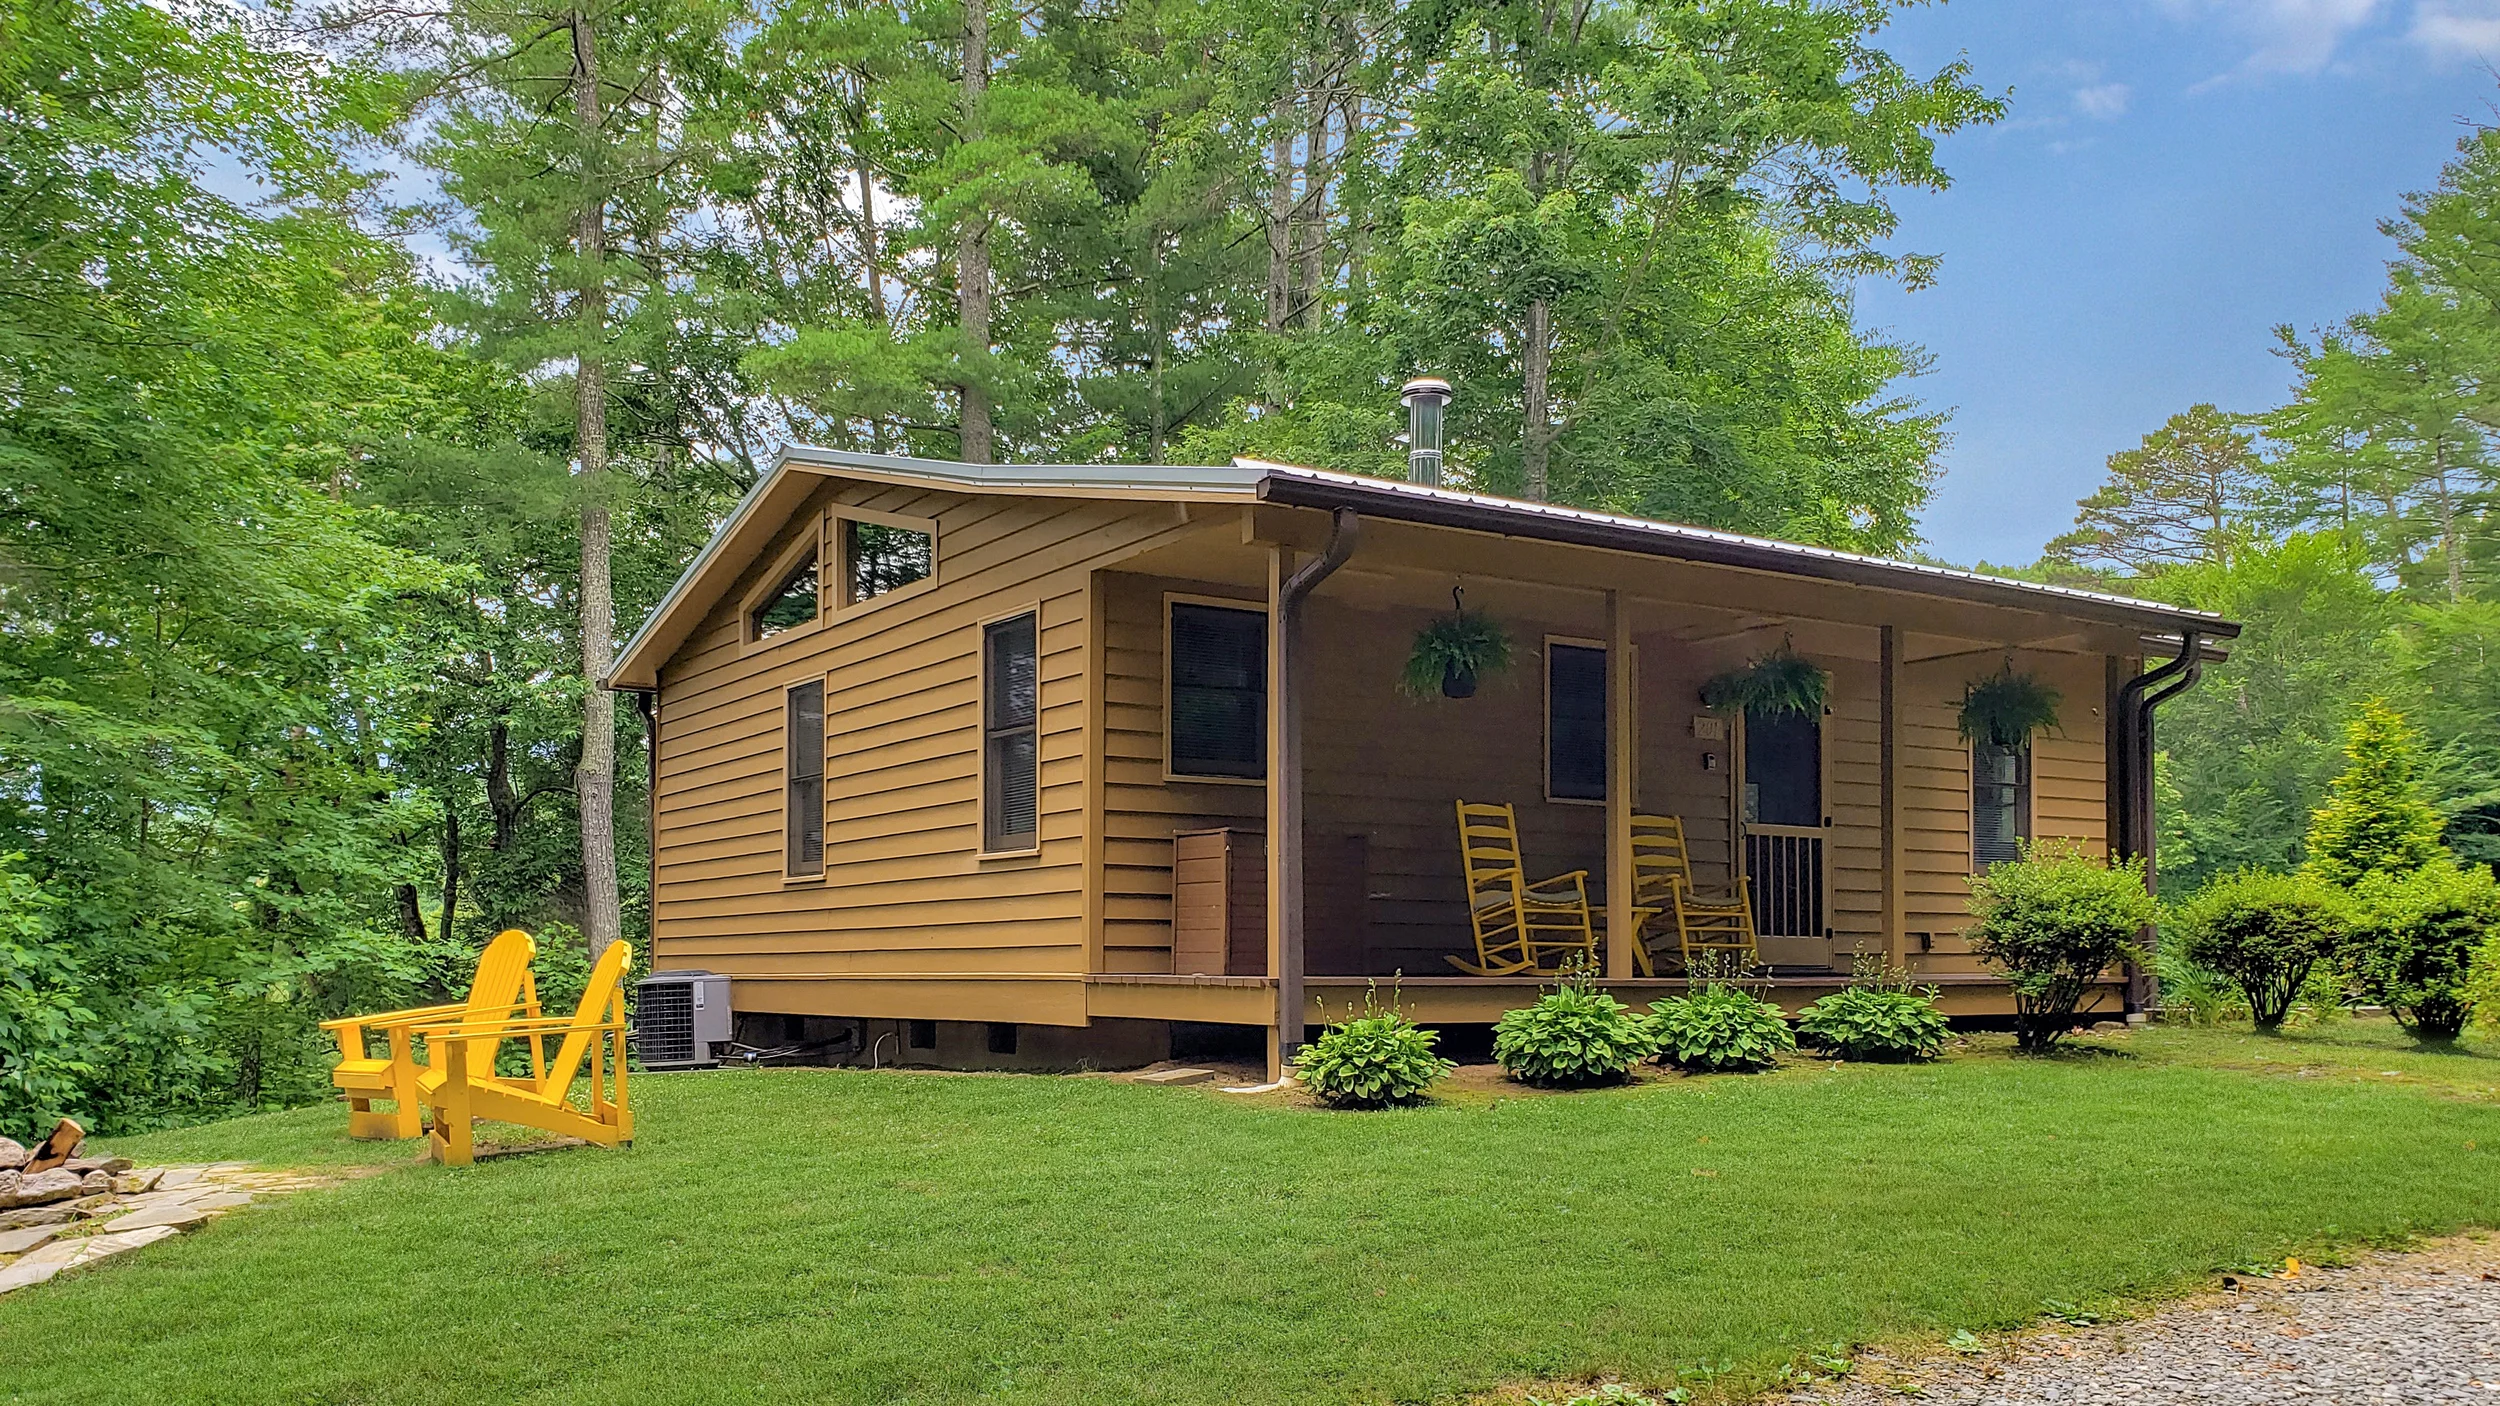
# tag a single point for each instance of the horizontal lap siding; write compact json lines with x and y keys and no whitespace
{"x":903,"y":892}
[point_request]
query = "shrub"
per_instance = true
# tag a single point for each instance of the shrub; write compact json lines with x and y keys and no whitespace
{"x":1720,"y":1027}
{"x":2376,"y":819}
{"x":2264,"y":933}
{"x":1575,"y":1036}
{"x":2193,"y":994}
{"x":2419,"y":936}
{"x":2053,"y":921}
{"x":1375,"y":1059}
{"x":1879,"y":1016}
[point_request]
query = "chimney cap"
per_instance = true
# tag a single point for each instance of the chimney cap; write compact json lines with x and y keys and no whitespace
{"x":1422,"y":386}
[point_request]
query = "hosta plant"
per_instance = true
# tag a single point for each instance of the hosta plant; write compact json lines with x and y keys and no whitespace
{"x":1375,"y":1058}
{"x":1720,"y":1027}
{"x":1879,"y":1017}
{"x":1575,"y":1036}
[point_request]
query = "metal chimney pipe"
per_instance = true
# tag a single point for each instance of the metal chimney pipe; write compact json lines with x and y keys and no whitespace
{"x":1425,"y":398}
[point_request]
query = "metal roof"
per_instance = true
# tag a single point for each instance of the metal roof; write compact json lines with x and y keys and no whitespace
{"x":1253,"y":480}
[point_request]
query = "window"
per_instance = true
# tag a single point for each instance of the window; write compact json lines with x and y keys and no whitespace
{"x":1218,"y":716}
{"x":1575,"y":722}
{"x":877,"y":559}
{"x":1784,"y":769}
{"x":803,"y":815}
{"x":1010,"y":714}
{"x":2000,"y":803}
{"x":787,"y":605}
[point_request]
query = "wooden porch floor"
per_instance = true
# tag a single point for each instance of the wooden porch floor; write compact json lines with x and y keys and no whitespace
{"x":1459,"y":1000}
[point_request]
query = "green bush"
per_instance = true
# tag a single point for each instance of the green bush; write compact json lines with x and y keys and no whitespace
{"x":2264,"y":934}
{"x":2053,"y":922}
{"x":2192,"y":994}
{"x":2377,"y":818}
{"x":1720,"y":1027}
{"x":1375,"y":1059}
{"x":1575,"y":1036}
{"x":2419,"y":936}
{"x":1879,"y":1016}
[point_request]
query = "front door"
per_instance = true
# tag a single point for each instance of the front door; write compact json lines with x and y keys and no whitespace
{"x":1785,"y":836}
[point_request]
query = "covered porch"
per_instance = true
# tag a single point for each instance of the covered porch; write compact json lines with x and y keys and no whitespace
{"x":1854,"y":829}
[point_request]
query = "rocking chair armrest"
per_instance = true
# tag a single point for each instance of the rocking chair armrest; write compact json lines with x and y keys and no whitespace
{"x":1537,"y":891}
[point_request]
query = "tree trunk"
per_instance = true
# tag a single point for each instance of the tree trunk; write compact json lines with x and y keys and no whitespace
{"x":499,"y":799}
{"x":594,"y":778}
{"x":876,"y":276}
{"x":1536,"y":363}
{"x":972,"y":254}
{"x":2451,"y":549}
{"x":451,"y":870}
{"x":1312,"y":237}
{"x":1280,"y":217}
{"x":411,"y":912}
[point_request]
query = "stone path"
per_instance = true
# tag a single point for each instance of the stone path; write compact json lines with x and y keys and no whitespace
{"x":147,"y":1205}
{"x":2422,"y":1327}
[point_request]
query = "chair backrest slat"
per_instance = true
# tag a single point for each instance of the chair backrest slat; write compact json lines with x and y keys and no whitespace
{"x":607,"y":976}
{"x":503,"y":987}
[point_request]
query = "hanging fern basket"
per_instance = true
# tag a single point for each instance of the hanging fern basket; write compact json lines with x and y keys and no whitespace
{"x":1452,"y":654}
{"x":2005,"y":708}
{"x":1782,"y":681}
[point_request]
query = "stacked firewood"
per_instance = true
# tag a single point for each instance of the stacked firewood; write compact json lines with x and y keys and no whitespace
{"x":55,"y":1169}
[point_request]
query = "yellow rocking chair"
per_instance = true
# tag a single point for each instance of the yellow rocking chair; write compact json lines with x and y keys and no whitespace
{"x":1519,"y":926}
{"x":462,"y":1086}
{"x":501,"y":989}
{"x":1663,"y":884}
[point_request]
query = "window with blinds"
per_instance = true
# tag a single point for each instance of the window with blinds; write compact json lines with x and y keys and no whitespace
{"x":1218,"y":705}
{"x":803,"y":812}
{"x":1011,"y":746}
{"x":1575,"y":722}
{"x":2000,"y":803}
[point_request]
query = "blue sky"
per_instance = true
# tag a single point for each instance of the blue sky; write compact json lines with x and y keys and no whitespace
{"x":2176,"y":178}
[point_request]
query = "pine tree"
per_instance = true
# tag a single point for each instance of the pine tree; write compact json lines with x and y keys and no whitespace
{"x":2376,"y":819}
{"x":2189,"y":493}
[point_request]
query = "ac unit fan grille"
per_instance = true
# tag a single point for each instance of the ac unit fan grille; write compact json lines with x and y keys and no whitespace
{"x":664,"y":1023}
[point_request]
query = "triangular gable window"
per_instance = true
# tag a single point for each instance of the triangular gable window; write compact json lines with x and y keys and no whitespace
{"x":791,"y":604}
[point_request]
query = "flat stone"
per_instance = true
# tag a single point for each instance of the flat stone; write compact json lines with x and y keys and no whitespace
{"x":181,"y":1215}
{"x":18,"y":1242}
{"x":2109,"y":1027}
{"x":1177,"y":1076}
{"x":134,"y":1184}
{"x":96,"y":1183}
{"x":98,"y":1164}
{"x":48,"y":1186}
{"x":68,"y":1254}
{"x":35,"y":1215}
{"x":169,"y":1178}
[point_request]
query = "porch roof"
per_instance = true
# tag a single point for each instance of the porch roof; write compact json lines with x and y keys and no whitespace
{"x":778,"y":491}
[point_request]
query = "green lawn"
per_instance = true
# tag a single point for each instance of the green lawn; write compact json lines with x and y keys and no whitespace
{"x":826,"y":1236}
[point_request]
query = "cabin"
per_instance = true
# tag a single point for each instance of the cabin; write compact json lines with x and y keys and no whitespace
{"x":1049,"y":765}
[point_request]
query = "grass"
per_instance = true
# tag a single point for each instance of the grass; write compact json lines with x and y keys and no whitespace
{"x":830,"y":1236}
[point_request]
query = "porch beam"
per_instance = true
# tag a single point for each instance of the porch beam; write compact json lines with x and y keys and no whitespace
{"x":1622,"y":710}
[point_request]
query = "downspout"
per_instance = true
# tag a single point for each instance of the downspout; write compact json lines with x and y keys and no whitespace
{"x":2137,"y":818}
{"x":1345,"y":527}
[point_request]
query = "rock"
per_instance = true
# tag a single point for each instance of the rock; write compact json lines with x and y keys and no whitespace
{"x":173,"y":1177}
{"x":18,"y":1242}
{"x":1176,"y":1076}
{"x":181,"y":1215}
{"x":2109,"y":1027}
{"x":95,"y":1183}
{"x":36,"y":1215}
{"x":135,"y":1183}
{"x":107,"y":1165}
{"x":41,"y":1187}
{"x":66,"y":1254}
{"x":57,"y":1147}
{"x":13,"y":1154}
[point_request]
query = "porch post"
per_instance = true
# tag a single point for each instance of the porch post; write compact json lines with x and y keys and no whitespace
{"x":1896,"y":912}
{"x":1622,"y":698}
{"x":1284,"y":816}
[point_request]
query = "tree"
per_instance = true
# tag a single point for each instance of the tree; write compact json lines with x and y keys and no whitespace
{"x":2376,"y":819}
{"x":2191,"y":492}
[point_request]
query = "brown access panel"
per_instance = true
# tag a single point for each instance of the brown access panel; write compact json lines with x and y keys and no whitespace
{"x":1219,"y":907}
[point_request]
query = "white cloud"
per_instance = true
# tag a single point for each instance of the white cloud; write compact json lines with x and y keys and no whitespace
{"x":2458,"y":29}
{"x":2102,"y":101}
{"x":2289,"y":36}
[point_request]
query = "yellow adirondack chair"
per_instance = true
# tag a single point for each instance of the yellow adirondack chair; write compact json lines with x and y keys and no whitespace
{"x":1519,"y":926}
{"x":502,"y":988}
{"x":461,"y":1085}
{"x":1662,"y":883}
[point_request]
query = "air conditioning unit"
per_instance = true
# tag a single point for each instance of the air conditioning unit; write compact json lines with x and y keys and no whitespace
{"x":678,"y":1017}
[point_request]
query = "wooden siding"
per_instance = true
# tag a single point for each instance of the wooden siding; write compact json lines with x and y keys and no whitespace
{"x":905,"y":901}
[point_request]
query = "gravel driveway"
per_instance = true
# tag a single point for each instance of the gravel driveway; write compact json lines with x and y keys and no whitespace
{"x":2417,"y":1327}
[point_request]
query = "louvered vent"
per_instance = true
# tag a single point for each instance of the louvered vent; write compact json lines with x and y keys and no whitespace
{"x":679,"y":1018}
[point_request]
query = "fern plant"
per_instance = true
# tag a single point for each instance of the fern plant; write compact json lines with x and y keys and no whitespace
{"x":2005,"y":708}
{"x":1452,"y":653}
{"x":1782,"y":681}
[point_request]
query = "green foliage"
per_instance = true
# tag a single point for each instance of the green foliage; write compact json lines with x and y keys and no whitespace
{"x":1575,"y":1036}
{"x":2006,"y":708}
{"x":2053,"y":922}
{"x":1375,"y":1059}
{"x":1721,"y":1027}
{"x":2376,"y":819}
{"x":1781,"y":681}
{"x":1880,"y":1016}
{"x":2264,"y":934}
{"x":2420,"y":934}
{"x":2190,"y":493}
{"x":1463,"y":645}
